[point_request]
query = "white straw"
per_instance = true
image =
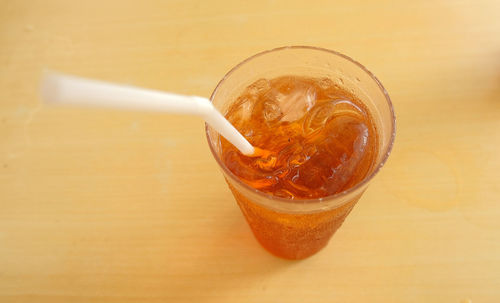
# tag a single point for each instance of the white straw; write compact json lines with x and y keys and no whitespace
{"x":58,"y":88}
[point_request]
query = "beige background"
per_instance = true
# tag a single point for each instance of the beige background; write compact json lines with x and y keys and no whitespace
{"x":101,"y":206}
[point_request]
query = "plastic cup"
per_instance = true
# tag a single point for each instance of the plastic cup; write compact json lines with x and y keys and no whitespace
{"x":297,"y":229}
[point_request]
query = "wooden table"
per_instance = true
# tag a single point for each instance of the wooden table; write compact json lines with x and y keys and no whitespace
{"x":104,"y":206}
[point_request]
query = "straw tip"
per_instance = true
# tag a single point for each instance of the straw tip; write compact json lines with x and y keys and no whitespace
{"x":250,"y":151}
{"x":259,"y":152}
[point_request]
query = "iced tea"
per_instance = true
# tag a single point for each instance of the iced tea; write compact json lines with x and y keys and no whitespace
{"x":324,"y":126}
{"x":318,"y":139}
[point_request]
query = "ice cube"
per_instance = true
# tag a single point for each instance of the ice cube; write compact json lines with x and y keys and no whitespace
{"x":248,"y":170}
{"x":347,"y":145}
{"x":346,"y":107}
{"x":348,"y":133}
{"x":241,"y":112}
{"x":295,"y":104}
{"x":266,"y":163}
{"x":306,"y":178}
{"x":325,"y":111}
{"x":271,"y":110}
{"x":318,"y":116}
{"x":259,"y":87}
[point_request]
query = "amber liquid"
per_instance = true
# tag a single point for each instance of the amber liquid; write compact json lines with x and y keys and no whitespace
{"x":319,"y":138}
{"x":315,"y":139}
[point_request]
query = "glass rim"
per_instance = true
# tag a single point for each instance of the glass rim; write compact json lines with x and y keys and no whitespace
{"x":335,"y":196}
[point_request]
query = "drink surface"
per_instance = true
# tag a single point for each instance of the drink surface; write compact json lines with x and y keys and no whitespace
{"x":318,"y":139}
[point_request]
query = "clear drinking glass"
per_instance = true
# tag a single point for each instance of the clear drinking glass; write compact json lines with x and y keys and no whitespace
{"x":296,"y":229}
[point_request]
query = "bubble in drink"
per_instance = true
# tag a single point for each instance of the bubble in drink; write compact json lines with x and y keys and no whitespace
{"x":320,"y":139}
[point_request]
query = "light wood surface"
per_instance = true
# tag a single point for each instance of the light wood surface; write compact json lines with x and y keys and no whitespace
{"x":103,"y":206}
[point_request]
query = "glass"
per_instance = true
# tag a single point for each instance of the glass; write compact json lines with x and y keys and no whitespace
{"x":297,"y":229}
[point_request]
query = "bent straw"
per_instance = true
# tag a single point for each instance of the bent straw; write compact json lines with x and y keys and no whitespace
{"x":59,"y":88}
